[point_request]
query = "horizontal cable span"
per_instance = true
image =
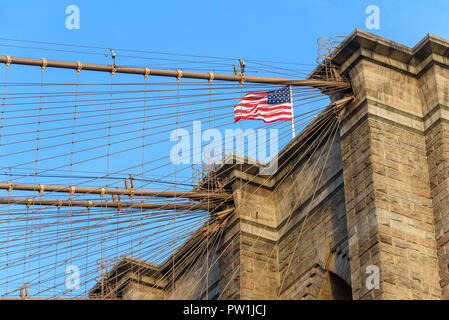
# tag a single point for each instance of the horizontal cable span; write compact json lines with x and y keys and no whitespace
{"x":127,"y":192}
{"x":109,"y":204}
{"x":173,"y":73}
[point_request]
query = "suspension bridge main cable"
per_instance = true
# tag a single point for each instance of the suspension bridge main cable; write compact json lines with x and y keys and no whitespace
{"x":341,"y":84}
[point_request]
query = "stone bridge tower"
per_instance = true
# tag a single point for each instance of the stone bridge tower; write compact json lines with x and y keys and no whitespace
{"x":380,"y":199}
{"x":394,"y":144}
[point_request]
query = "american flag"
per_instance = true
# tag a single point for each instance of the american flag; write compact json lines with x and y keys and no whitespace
{"x":267,"y":106}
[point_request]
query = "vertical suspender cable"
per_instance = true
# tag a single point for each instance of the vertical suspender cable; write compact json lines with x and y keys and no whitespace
{"x":44,"y":64}
{"x":143,"y":156}
{"x":1,"y":139}
{"x":174,"y":212}
{"x":71,"y":163}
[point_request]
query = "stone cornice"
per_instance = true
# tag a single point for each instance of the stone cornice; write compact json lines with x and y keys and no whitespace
{"x":360,"y":44}
{"x":392,"y":114}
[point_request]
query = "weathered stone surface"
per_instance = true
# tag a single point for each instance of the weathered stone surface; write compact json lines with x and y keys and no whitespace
{"x":375,"y":193}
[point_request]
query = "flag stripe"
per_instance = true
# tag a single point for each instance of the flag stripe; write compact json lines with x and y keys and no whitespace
{"x":268,"y":113}
{"x":264,"y":119}
{"x":266,"y":116}
{"x":249,"y":108}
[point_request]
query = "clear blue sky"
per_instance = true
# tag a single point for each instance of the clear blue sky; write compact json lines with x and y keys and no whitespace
{"x":279,"y":30}
{"x":284,"y":30}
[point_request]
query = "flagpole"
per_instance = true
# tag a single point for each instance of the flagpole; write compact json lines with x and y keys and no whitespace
{"x":293,"y":117}
{"x":241,"y":114}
